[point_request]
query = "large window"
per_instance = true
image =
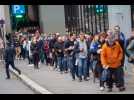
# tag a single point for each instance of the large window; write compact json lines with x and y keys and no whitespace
{"x":86,"y":18}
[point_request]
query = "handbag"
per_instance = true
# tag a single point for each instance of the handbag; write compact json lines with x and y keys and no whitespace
{"x":105,"y":75}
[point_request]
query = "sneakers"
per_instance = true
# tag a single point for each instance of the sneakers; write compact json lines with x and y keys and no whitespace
{"x":80,"y":79}
{"x":30,"y":65}
{"x":19,"y":72}
{"x":85,"y":79}
{"x":122,"y":89}
{"x":102,"y":88}
{"x":7,"y":78}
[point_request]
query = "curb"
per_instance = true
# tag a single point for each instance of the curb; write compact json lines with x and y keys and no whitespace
{"x":31,"y":84}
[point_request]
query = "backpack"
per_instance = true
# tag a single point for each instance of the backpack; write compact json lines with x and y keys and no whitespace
{"x":94,"y":47}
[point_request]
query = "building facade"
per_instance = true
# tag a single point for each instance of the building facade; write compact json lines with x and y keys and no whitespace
{"x":76,"y":18}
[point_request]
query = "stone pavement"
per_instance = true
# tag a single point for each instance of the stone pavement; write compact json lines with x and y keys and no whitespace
{"x":62,"y":83}
{"x":12,"y":86}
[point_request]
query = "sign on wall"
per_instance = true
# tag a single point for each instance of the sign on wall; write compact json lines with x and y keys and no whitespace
{"x":18,"y":9}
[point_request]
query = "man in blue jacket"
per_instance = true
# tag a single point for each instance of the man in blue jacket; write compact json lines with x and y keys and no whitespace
{"x":9,"y":59}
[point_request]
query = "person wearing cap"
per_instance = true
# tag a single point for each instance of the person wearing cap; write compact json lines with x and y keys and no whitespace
{"x":111,"y":57}
{"x":9,"y":59}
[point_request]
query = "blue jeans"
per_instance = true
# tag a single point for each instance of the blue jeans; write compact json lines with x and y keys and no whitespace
{"x":65,"y":64}
{"x":60,"y":63}
{"x":82,"y":67}
{"x":71,"y":65}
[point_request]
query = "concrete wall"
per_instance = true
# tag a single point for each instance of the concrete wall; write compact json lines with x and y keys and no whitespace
{"x":120,"y":15}
{"x":4,"y":14}
{"x":52,"y":18}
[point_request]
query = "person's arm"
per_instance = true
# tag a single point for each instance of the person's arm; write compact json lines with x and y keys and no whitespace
{"x":76,"y":48}
{"x":103,"y":56}
{"x":130,"y":48}
{"x":5,"y":54}
{"x":124,"y":40}
{"x":120,"y":53}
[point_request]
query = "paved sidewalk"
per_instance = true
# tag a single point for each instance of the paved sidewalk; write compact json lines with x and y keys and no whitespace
{"x":62,"y":83}
{"x":12,"y":86}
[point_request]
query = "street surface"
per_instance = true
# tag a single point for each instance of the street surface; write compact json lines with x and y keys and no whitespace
{"x":12,"y":86}
{"x":62,"y":83}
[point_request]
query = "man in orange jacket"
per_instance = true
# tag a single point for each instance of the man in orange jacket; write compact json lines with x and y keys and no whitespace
{"x":111,"y":57}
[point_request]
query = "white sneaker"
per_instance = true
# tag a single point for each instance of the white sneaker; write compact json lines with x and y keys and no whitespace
{"x":31,"y":65}
{"x":102,"y":88}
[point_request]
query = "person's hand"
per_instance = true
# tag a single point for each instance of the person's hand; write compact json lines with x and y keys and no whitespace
{"x":53,"y":50}
{"x":82,"y":49}
{"x":105,"y":67}
{"x":99,"y":51}
{"x":59,"y":50}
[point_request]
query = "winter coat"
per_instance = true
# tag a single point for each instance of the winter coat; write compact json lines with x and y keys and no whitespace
{"x":9,"y":54}
{"x":111,"y":56}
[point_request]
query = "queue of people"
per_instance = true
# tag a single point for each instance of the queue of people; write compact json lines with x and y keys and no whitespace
{"x":102,"y":55}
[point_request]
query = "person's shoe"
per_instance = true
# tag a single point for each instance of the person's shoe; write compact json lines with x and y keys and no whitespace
{"x":7,"y":77}
{"x":85,"y":79}
{"x":80,"y":79}
{"x":30,"y":65}
{"x":66,"y":71}
{"x":122,"y":89}
{"x":73,"y":79}
{"x":19,"y":72}
{"x":101,"y":88}
{"x":109,"y":90}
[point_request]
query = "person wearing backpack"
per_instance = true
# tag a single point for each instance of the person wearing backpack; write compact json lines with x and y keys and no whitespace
{"x":111,"y":59}
{"x":120,"y":37}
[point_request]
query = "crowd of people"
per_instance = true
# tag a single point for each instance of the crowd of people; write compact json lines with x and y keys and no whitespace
{"x":101,"y":55}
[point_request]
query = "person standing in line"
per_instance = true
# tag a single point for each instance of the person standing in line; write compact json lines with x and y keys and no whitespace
{"x":82,"y":49}
{"x":59,"y":53}
{"x":111,"y":60}
{"x":120,"y":37}
{"x":35,"y":53}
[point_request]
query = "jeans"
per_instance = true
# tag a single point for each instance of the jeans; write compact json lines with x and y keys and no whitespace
{"x":82,"y":67}
{"x":65,"y":64}
{"x":60,"y":63}
{"x":71,"y":65}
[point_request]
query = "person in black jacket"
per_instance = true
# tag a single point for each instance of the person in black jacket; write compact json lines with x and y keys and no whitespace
{"x":59,"y":53}
{"x":9,"y":59}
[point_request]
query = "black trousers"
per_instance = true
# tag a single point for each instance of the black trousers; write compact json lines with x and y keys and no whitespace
{"x":13,"y":66}
{"x":118,"y":77}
